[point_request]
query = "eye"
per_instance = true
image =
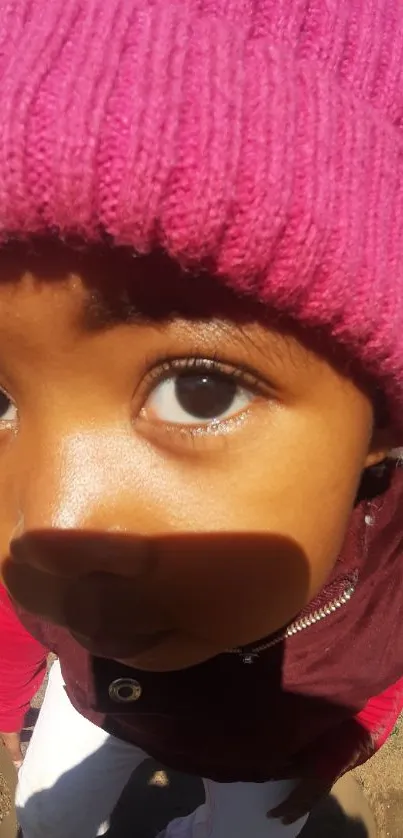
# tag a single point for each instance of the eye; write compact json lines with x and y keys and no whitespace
{"x":8,"y":410}
{"x":198,"y":398}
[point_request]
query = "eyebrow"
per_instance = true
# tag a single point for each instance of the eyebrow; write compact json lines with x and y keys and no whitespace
{"x":104,"y":310}
{"x":100,"y":313}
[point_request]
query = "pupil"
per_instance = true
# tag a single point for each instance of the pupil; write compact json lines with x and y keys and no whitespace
{"x":205,"y":396}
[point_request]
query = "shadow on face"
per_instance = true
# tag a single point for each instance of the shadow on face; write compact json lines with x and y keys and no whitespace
{"x":160,"y":603}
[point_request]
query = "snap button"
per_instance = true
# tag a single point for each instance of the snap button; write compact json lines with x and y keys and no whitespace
{"x":125,"y":690}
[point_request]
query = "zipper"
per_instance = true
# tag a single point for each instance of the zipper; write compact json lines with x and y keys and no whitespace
{"x":303,"y":623}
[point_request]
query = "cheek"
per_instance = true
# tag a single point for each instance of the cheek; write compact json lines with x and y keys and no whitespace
{"x":284,"y":529}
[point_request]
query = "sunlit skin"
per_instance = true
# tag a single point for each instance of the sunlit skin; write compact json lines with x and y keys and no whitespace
{"x":157,"y":536}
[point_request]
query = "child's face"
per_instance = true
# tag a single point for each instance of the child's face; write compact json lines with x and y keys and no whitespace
{"x":209,"y":466}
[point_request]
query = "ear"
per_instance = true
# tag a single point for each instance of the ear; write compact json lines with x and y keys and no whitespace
{"x":382,"y":444}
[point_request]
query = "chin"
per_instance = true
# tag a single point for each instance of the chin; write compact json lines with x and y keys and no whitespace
{"x":172,"y":655}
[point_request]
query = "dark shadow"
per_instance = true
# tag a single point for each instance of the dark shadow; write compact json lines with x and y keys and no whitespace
{"x":29,"y":724}
{"x":330,"y":815}
{"x":220,"y":590}
{"x":31,"y":717}
{"x":158,"y":804}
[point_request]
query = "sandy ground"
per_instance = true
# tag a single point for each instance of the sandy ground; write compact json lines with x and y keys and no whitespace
{"x":381,"y":779}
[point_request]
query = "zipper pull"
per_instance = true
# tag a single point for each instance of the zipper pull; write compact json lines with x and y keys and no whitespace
{"x":249,"y":657}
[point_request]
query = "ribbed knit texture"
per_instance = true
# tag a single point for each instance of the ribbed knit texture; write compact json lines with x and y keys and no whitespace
{"x":261,"y":138}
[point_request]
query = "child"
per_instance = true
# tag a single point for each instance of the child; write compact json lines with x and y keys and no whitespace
{"x":22,"y":669}
{"x":201,"y":362}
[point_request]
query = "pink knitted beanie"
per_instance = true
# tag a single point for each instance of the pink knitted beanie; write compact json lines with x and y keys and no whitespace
{"x":260,"y":138}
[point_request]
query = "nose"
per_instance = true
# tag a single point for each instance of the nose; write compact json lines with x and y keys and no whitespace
{"x":85,"y":516}
{"x":86,"y":482}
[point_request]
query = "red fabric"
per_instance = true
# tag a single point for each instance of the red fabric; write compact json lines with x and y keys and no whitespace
{"x":22,"y":667}
{"x":356,"y":739}
{"x":380,"y":715}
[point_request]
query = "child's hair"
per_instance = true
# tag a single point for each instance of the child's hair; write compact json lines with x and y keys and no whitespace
{"x":261,"y":141}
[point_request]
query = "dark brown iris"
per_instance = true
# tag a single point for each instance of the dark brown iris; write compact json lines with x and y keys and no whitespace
{"x":205,"y":396}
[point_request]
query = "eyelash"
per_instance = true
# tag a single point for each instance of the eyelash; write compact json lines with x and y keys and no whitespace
{"x":163,"y":370}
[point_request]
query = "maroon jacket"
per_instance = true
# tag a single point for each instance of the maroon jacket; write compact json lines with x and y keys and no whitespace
{"x":317,"y":702}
